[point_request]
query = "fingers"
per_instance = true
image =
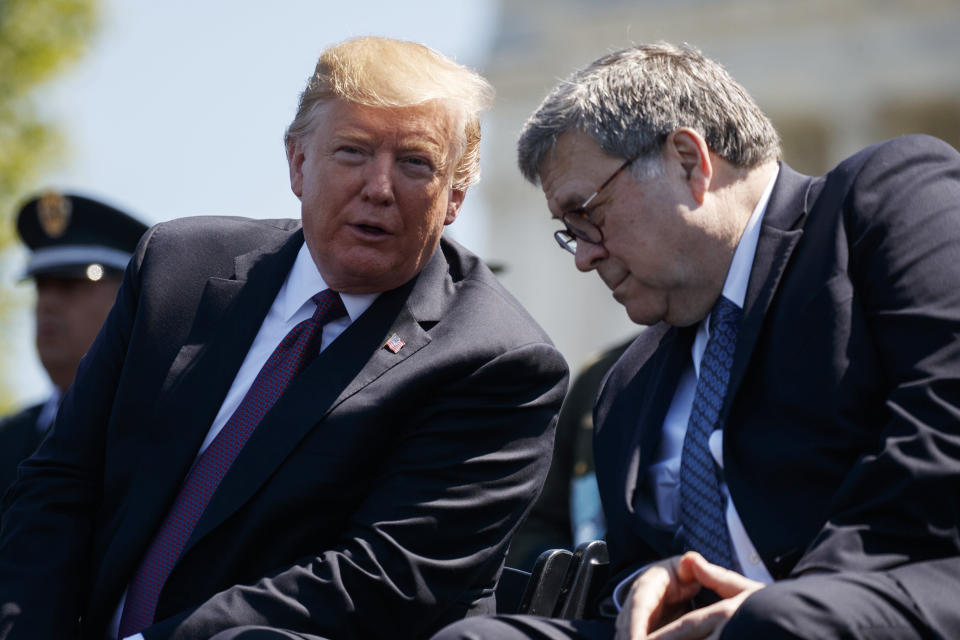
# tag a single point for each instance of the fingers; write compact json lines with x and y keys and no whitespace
{"x":696,"y":625}
{"x":657,"y":596}
{"x":695,"y":568}
{"x":656,"y":606}
{"x":705,"y":623}
{"x":640,"y":609}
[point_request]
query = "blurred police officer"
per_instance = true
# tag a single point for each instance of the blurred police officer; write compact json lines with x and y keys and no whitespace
{"x":78,"y":250}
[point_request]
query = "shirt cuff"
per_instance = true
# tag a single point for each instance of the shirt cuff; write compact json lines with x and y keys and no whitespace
{"x":619,"y":592}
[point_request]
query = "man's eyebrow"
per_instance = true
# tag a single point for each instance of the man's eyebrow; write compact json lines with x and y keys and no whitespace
{"x":571,"y":202}
{"x":418,"y":142}
{"x":351,"y":135}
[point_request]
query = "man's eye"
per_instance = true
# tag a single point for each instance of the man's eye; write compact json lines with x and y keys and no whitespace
{"x":417,"y":166}
{"x":417,"y":162}
{"x":593,"y":212}
{"x":348,"y":154}
{"x":578,"y":214}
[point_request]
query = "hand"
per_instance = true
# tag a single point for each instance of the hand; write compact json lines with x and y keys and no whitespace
{"x":657,"y":606}
{"x":708,"y":622}
{"x":658,"y":596}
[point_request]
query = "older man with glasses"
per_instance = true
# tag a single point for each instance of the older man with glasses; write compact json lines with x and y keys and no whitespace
{"x":778,"y":454}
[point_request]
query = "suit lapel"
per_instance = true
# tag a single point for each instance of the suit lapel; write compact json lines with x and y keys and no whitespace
{"x":354,"y":360}
{"x":653,"y":397}
{"x":780,"y":232}
{"x":666,"y":366}
{"x":228,"y":317}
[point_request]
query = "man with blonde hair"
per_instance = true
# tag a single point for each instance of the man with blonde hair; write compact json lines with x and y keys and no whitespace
{"x":286,"y":430}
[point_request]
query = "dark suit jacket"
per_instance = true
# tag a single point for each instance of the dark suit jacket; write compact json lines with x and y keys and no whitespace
{"x":842,"y":434}
{"x":19,"y":437}
{"x":375,"y":499}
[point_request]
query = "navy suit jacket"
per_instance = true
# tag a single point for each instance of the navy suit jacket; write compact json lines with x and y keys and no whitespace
{"x":375,"y":499}
{"x":842,"y":436}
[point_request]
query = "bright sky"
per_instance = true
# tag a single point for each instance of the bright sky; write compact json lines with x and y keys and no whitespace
{"x":180,"y":106}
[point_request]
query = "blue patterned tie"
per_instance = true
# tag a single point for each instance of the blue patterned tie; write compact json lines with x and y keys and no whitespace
{"x":702,"y":504}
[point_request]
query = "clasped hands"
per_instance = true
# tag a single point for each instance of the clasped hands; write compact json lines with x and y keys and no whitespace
{"x":658,"y":605}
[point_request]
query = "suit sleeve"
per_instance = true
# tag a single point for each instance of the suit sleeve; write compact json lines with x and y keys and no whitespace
{"x":49,"y":514}
{"x":898,"y":503}
{"x":471,"y":458}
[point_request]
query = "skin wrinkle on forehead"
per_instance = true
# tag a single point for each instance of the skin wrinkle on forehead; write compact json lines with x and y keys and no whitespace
{"x":576,"y":187}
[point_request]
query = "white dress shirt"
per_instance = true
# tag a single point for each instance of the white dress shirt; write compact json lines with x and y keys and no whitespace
{"x":664,"y":473}
{"x":291,"y":306}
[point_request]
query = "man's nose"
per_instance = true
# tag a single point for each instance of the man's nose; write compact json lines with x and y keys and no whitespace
{"x":589,"y":255}
{"x":378,"y":180}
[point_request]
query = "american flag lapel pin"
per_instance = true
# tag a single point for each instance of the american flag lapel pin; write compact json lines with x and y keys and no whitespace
{"x":394,"y":343}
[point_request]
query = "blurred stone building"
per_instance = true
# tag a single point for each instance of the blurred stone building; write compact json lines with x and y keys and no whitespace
{"x":834,"y":75}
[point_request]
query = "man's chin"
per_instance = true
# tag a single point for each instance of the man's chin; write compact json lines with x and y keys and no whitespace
{"x":642,"y":315}
{"x":369,"y":280}
{"x":643,"y":305}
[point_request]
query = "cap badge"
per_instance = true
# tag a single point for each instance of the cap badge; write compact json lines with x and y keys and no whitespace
{"x":53,"y":213}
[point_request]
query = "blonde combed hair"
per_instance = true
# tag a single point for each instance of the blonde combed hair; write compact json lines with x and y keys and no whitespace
{"x":382,"y":72}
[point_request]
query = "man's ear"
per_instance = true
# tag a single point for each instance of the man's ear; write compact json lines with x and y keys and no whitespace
{"x":454,"y":204}
{"x":690,"y":150}
{"x":295,"y":162}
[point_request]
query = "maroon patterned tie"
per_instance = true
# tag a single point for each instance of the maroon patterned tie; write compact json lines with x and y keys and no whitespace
{"x":291,"y":356}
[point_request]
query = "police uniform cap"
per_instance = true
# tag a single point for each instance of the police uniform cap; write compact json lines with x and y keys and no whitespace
{"x":73,"y":236}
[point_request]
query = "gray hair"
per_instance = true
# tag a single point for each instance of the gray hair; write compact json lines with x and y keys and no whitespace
{"x":629,"y":101}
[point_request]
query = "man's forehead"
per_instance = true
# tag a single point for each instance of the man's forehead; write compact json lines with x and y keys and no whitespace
{"x":427,"y":124}
{"x":567,"y":170}
{"x":402,"y":137}
{"x":564,"y":150}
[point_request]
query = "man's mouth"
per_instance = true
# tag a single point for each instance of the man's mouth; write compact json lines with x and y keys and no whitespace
{"x":370,"y":230}
{"x":613,"y":285}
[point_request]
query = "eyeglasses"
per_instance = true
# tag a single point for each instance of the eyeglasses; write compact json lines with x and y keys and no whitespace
{"x":577,"y":221}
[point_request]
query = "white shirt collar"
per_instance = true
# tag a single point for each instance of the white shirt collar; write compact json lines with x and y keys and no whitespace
{"x":305,"y":281}
{"x":735,"y":286}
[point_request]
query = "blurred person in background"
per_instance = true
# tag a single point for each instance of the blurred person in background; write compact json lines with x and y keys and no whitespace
{"x":79,"y":248}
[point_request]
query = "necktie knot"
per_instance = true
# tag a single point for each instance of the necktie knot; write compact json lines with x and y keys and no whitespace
{"x":329,"y":306}
{"x":725,"y":314}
